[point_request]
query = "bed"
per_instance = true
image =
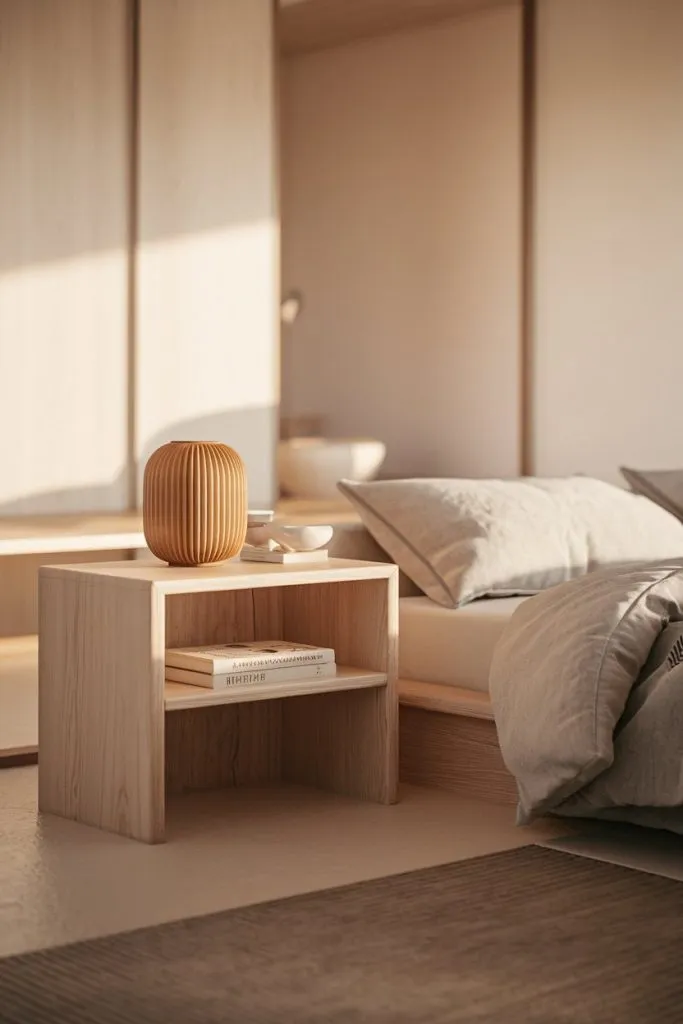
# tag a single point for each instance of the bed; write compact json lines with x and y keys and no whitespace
{"x":447,"y":733}
{"x":472,"y":554}
{"x":451,"y":646}
{"x":448,"y":736}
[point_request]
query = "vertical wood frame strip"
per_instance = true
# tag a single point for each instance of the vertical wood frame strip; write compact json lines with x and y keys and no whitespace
{"x":528,"y":85}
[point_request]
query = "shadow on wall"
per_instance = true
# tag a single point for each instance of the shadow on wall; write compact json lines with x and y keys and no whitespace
{"x":249,"y":431}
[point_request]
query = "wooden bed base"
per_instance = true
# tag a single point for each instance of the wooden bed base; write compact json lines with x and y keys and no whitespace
{"x":448,"y":739}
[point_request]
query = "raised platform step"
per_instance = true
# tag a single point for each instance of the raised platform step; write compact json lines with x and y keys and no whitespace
{"x":39,"y":535}
{"x":449,"y":700}
{"x":42,"y":535}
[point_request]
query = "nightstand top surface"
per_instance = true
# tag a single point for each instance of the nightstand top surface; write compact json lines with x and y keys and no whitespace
{"x":234,"y":575}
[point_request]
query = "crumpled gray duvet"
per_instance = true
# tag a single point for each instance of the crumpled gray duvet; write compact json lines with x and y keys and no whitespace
{"x":587,"y":690}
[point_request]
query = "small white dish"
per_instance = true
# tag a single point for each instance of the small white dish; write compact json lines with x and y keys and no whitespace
{"x":300,"y":538}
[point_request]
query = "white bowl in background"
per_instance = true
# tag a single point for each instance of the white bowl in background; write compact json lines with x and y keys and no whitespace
{"x":310,"y":467}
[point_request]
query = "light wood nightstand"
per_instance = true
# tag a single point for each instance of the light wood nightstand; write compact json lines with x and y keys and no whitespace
{"x":115,"y":737}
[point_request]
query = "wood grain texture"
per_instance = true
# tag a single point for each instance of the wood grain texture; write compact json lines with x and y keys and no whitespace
{"x":210,"y":748}
{"x":454,"y":752}
{"x":223,"y":616}
{"x":317,"y":24}
{"x":100,"y":713}
{"x":64,"y":250}
{"x":452,"y":700}
{"x":194,"y":503}
{"x":343,"y":742}
{"x":19,"y":587}
{"x":346,"y":742}
{"x":358,"y":618}
{"x":268,"y":613}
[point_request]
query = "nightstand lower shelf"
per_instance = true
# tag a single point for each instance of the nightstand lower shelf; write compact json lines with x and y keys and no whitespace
{"x":181,"y":696}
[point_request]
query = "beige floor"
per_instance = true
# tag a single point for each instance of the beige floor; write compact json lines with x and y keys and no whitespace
{"x":18,"y":694}
{"x":60,"y":882}
{"x":645,"y":849}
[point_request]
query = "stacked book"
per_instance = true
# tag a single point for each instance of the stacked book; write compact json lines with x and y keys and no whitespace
{"x":253,"y":663}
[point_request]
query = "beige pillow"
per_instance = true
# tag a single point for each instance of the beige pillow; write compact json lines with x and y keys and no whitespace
{"x":663,"y":486}
{"x":458,"y":540}
{"x":354,"y":540}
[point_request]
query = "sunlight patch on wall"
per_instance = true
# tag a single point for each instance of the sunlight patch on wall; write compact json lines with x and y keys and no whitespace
{"x":63,"y":389}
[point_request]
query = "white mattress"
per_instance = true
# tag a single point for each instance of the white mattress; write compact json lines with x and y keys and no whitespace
{"x":453,"y":646}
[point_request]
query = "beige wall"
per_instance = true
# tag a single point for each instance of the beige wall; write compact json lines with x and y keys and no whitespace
{"x":83,"y":399}
{"x":207,"y":275}
{"x":608,"y":318}
{"x":63,"y":255}
{"x":401,"y":226}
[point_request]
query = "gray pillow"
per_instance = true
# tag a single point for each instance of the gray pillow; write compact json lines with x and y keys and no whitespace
{"x":663,"y":486}
{"x":459,"y":540}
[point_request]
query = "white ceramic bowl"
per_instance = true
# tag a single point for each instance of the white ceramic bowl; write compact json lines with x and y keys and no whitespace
{"x":301,"y":538}
{"x":309,"y":467}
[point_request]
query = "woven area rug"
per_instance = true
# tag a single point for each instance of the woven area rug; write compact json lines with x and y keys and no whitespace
{"x":530,"y":935}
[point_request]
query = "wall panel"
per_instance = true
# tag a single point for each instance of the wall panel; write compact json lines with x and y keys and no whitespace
{"x":608,"y":274}
{"x":207,"y":272}
{"x":64,"y":106}
{"x":401,"y":195}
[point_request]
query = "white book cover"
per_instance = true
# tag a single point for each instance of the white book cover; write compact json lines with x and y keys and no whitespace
{"x":253,"y":554}
{"x":249,"y":656}
{"x":324,"y":670}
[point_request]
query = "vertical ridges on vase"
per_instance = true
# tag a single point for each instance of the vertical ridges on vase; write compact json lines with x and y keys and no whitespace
{"x":194,"y":502}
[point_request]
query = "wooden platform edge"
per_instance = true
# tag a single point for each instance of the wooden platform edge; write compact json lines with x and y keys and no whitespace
{"x":18,"y":757}
{"x":451,"y":700}
{"x":448,"y":740}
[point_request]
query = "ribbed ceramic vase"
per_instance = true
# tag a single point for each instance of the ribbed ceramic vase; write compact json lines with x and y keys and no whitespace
{"x":194,"y":503}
